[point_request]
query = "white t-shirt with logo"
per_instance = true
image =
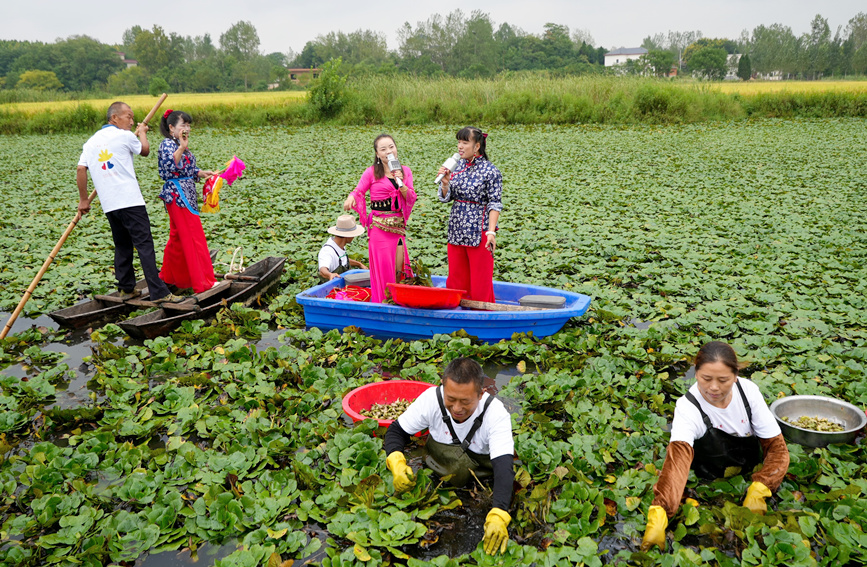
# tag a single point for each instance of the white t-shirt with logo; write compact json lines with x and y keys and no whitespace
{"x":493,"y":438}
{"x":689,"y":426}
{"x":108,"y":157}
{"x":332,"y":256}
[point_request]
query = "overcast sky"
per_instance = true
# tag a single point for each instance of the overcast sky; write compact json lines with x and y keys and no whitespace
{"x":288,"y":24}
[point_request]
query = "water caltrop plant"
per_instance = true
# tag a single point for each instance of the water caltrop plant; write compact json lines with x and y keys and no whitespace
{"x":230,"y":433}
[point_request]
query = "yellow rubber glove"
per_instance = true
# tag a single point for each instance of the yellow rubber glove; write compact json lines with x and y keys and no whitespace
{"x":403,"y":479}
{"x":654,"y":533}
{"x":755,"y":500}
{"x":496,"y":534}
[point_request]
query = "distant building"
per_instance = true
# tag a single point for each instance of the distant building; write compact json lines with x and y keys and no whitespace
{"x":622,"y":55}
{"x":129,"y":62}
{"x":303,"y":76}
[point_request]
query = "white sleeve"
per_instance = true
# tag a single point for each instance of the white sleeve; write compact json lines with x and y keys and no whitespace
{"x":417,"y":416}
{"x":326,"y":259}
{"x":82,"y":160}
{"x":765,"y":425}
{"x":687,"y":425}
{"x":134,"y":144}
{"x":500,"y":428}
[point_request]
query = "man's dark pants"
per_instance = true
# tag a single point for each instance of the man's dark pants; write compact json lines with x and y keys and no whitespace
{"x":131,"y":230}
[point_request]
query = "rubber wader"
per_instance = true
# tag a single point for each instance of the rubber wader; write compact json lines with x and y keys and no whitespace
{"x":455,"y":458}
{"x":716,"y":450}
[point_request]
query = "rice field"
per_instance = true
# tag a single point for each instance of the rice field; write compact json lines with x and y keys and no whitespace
{"x":764,"y":87}
{"x":141,"y":104}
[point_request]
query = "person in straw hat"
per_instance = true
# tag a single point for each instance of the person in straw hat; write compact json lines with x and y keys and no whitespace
{"x":333,"y":260}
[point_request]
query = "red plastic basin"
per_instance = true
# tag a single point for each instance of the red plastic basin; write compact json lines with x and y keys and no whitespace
{"x":385,"y":392}
{"x":421,"y":297}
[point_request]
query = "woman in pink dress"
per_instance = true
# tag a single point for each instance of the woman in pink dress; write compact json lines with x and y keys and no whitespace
{"x":391,"y":201}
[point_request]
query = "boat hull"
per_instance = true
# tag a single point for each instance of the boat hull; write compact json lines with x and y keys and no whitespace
{"x":393,"y":321}
{"x":163,"y":321}
{"x":96,"y":310}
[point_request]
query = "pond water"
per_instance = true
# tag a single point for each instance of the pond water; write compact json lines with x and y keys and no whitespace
{"x":206,"y":554}
{"x":452,"y":532}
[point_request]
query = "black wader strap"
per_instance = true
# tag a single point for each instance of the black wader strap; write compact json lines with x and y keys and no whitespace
{"x":706,"y":419}
{"x":476,"y":424}
{"x":746,"y":403}
{"x":446,"y":420}
{"x":338,"y":255}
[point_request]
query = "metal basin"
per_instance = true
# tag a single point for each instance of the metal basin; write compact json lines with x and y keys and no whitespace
{"x":850,"y":417}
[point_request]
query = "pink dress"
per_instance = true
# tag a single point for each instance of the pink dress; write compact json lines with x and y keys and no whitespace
{"x":382,"y":243}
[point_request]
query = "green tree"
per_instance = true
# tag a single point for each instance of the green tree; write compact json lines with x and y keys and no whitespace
{"x":134,"y":80}
{"x":241,"y":40}
{"x":128,"y":39}
{"x":774,"y":48}
{"x":709,"y":63}
{"x":816,"y":48}
{"x":728,"y":45}
{"x":157,"y":86}
{"x":39,"y":81}
{"x":327,"y":93}
{"x":745,"y":70}
{"x":475,"y":52}
{"x":155,"y":50}
{"x":83,"y":63}
{"x":659,"y":60}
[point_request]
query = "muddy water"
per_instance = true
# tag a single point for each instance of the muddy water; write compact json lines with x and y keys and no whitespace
{"x":458,"y":532}
{"x":207,"y":554}
{"x":452,"y":533}
{"x":74,"y":346}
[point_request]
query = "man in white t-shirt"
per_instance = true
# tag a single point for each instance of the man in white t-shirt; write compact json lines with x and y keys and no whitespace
{"x":469,"y":430}
{"x":333,"y":260}
{"x":108,"y":156}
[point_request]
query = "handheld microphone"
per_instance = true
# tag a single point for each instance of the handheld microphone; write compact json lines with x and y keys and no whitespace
{"x":451,"y":164}
{"x":394,"y":165}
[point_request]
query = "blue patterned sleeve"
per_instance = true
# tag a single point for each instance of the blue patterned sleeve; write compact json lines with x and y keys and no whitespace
{"x":494,"y":190}
{"x":448,"y":196}
{"x":166,"y":159}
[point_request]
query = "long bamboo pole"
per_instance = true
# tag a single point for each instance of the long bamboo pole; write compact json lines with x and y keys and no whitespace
{"x":56,"y":249}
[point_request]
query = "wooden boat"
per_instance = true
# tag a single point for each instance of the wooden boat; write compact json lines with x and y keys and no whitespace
{"x":256,"y":281}
{"x":393,"y":321}
{"x":104,"y":307}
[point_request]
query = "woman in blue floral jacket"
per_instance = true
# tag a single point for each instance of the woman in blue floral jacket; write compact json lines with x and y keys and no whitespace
{"x":186,"y":261}
{"x":476,"y":191}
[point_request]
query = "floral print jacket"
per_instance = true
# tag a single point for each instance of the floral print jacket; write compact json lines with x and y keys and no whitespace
{"x":476,"y":188}
{"x":186,"y":173}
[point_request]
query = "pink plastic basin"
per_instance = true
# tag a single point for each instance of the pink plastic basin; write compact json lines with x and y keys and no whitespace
{"x":385,"y":392}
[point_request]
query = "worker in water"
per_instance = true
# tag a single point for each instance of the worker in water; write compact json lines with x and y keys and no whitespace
{"x":470,"y":430}
{"x":722,"y":423}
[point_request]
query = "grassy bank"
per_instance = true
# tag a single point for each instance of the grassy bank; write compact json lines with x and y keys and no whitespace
{"x":520,"y":99}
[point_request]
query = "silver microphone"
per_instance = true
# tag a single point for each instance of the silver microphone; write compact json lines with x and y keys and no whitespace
{"x":451,"y":164}
{"x":394,"y":165}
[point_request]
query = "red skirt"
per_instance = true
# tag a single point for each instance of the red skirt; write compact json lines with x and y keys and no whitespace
{"x":186,"y":261}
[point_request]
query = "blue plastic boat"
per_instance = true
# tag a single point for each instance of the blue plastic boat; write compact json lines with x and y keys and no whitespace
{"x":393,"y":321}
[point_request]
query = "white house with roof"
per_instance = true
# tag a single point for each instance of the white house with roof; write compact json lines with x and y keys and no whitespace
{"x":622,"y":55}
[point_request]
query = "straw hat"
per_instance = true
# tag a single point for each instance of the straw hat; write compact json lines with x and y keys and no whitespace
{"x":346,"y":227}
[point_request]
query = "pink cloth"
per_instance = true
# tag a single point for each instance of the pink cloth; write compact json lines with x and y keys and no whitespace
{"x":382,"y":245}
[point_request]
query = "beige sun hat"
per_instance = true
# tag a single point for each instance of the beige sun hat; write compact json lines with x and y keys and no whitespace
{"x":346,"y":226}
